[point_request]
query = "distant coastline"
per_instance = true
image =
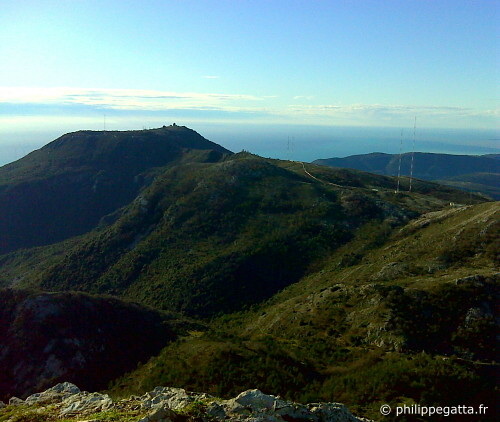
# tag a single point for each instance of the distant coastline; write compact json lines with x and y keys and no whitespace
{"x":296,"y":142}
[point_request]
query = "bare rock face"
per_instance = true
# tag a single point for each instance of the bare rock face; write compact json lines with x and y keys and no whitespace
{"x":15,"y":401}
{"x":53,"y":395}
{"x":170,"y":397}
{"x":167,"y":404}
{"x":54,"y":337}
{"x":253,"y":405}
{"x":85,"y":403}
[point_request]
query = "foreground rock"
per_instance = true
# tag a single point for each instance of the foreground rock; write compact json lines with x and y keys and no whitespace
{"x":46,"y":338}
{"x":167,"y":404}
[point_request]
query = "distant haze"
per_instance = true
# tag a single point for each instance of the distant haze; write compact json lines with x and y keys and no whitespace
{"x":299,"y":142}
{"x":248,"y":74}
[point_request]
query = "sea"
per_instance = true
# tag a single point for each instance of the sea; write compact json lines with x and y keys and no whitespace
{"x":302,"y":142}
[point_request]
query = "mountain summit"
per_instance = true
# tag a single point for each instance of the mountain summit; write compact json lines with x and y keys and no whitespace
{"x":66,"y":187}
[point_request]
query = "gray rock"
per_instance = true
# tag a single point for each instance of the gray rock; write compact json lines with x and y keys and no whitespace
{"x":332,"y":412}
{"x":55,"y":394}
{"x":2,"y":404}
{"x":255,"y":399}
{"x":83,"y":403}
{"x":65,"y":388}
{"x":255,"y":406}
{"x":160,"y":414}
{"x":173,"y":398}
{"x":473,"y":315}
{"x":233,"y":407}
{"x":170,"y":397}
{"x":391,"y":271}
{"x":476,"y":280}
{"x":299,"y":412}
{"x":249,"y":406}
{"x":215,"y":410}
{"x":15,"y":401}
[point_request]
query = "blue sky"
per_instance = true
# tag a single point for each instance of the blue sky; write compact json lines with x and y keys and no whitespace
{"x":67,"y":64}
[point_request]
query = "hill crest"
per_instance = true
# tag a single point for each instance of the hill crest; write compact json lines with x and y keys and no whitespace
{"x":467,"y":172}
{"x":66,"y":187}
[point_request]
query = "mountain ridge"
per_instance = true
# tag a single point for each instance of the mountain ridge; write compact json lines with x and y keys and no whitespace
{"x":317,"y":282}
{"x":269,"y":222}
{"x":449,"y":169}
{"x":67,"y":186}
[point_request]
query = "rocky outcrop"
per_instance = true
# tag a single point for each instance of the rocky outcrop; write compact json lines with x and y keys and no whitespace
{"x":57,"y":393}
{"x":167,"y":404}
{"x":88,"y":340}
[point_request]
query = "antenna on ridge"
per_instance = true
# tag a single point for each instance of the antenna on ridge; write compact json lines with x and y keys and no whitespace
{"x":412,"y":152}
{"x":290,"y":148}
{"x":399,"y":165}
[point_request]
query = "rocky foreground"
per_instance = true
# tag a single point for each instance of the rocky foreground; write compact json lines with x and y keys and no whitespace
{"x":66,"y":402}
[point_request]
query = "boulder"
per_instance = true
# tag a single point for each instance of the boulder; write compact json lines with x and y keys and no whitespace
{"x":15,"y":401}
{"x":255,"y":406}
{"x":294,"y":412}
{"x":332,"y":412}
{"x":53,"y":395}
{"x":170,"y":397}
{"x":85,"y":403}
{"x":160,"y":414}
{"x":256,"y":400}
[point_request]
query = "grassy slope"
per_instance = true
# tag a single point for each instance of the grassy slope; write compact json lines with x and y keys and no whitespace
{"x":488,"y":183}
{"x":210,"y":238}
{"x":362,"y":330}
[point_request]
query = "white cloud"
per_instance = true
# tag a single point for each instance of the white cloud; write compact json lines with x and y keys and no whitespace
{"x":124,"y":99}
{"x":24,"y":101}
{"x":386,"y":113}
{"x":303,"y":97}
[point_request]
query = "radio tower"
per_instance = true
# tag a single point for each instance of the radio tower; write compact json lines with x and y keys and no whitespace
{"x":413,"y":152}
{"x":399,"y":165}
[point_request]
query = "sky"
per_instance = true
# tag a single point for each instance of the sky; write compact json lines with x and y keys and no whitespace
{"x":227,"y":67}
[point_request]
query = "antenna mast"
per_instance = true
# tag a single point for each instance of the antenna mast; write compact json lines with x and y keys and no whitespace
{"x":399,"y":165}
{"x":413,"y":152}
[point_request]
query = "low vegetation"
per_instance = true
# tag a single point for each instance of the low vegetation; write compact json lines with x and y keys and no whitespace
{"x":364,"y":332}
{"x":315,"y":283}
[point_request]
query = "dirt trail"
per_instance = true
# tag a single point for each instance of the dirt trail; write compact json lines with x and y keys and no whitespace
{"x":319,"y":180}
